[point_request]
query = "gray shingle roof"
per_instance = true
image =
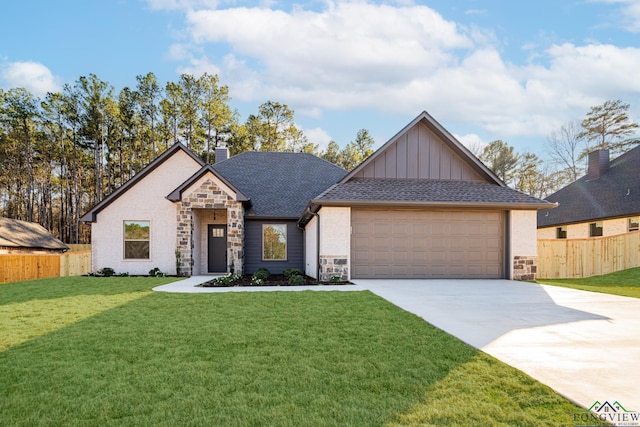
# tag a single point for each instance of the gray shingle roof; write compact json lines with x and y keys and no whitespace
{"x":428,"y":191}
{"x":22,"y":234}
{"x":279,"y":184}
{"x":614,"y":194}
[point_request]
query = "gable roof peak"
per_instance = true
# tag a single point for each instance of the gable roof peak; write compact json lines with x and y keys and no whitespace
{"x":441,"y":133}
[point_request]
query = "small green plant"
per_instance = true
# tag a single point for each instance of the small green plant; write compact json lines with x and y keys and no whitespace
{"x":296,"y":280}
{"x":335,"y":279}
{"x":123,"y":274}
{"x":262,"y":273}
{"x":228,"y":279}
{"x":256,"y":281}
{"x":105,"y":272}
{"x":155,"y":272}
{"x":291,"y":272}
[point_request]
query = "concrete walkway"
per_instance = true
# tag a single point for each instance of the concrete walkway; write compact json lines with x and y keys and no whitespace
{"x":584,"y":345}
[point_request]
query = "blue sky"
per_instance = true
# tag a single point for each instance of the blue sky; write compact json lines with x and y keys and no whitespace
{"x":485,"y":69}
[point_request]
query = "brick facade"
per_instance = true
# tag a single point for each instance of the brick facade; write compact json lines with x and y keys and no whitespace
{"x":208,"y":196}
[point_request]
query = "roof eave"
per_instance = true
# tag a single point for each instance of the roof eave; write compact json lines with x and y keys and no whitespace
{"x":435,"y":204}
{"x":91,"y":215}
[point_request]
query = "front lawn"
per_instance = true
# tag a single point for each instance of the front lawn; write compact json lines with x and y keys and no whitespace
{"x":625,"y":283}
{"x":117,"y":354}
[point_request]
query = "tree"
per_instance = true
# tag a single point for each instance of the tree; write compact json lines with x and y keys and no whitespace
{"x":217,"y":116}
{"x":273,"y":128}
{"x":19,"y":112}
{"x":501,"y":159}
{"x":148,"y":93}
{"x":332,"y":153}
{"x":363,"y":144}
{"x":188,"y":106}
{"x":564,"y":147}
{"x":607,"y":126}
{"x":527,"y":175}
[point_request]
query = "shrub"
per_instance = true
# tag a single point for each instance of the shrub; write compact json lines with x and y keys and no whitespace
{"x":256,"y":281}
{"x":105,"y":272}
{"x":296,"y":280}
{"x":226,"y":280}
{"x":123,"y":274}
{"x":262,"y":273}
{"x":335,"y":279}
{"x":291,"y":272}
{"x":155,"y":272}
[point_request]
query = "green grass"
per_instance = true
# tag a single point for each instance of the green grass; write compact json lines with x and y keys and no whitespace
{"x":127,"y":356}
{"x":625,"y":283}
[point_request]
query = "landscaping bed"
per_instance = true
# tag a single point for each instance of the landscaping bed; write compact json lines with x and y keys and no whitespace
{"x":272,"y":280}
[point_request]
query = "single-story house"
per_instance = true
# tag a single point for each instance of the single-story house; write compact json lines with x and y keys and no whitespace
{"x":421,"y":206}
{"x":22,"y":237}
{"x":604,"y":202}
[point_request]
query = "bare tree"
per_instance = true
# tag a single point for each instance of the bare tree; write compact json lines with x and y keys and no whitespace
{"x":565,"y":148}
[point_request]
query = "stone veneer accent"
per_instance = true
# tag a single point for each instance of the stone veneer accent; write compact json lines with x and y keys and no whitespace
{"x":209,"y":196}
{"x":525,"y":267}
{"x":332,"y":265}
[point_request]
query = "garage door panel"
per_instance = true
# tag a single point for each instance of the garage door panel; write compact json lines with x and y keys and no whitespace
{"x":427,"y":244}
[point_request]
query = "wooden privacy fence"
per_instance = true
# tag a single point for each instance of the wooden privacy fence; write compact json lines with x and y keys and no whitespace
{"x":575,"y":258}
{"x":18,"y":267}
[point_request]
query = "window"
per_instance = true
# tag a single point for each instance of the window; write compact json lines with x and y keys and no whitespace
{"x":136,"y":239}
{"x":595,"y":229}
{"x":274,"y":242}
{"x":561,"y":233}
{"x":633,"y":224}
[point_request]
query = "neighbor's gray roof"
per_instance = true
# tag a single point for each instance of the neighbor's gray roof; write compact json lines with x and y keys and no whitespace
{"x":428,"y":192}
{"x":279,"y":185}
{"x":22,"y":234}
{"x":614,"y":194}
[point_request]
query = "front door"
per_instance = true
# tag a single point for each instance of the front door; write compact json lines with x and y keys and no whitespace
{"x":217,"y":253}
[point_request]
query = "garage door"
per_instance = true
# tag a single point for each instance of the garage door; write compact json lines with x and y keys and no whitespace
{"x":427,"y":244}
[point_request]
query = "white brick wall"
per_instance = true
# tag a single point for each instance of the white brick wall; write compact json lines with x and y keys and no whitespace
{"x":144,"y":201}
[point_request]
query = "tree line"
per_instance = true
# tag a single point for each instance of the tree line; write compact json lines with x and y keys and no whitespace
{"x":62,"y":154}
{"x":605,"y":126}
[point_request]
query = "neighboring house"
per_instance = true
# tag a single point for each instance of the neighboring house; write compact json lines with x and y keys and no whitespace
{"x":422,"y":206}
{"x":22,"y":237}
{"x":604,"y":202}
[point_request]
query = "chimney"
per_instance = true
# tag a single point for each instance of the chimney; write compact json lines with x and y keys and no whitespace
{"x":598,"y":164}
{"x":222,"y":153}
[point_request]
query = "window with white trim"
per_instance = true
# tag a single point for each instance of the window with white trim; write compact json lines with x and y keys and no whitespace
{"x":136,"y":239}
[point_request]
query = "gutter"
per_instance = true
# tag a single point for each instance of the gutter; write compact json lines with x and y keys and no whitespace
{"x":431,"y":205}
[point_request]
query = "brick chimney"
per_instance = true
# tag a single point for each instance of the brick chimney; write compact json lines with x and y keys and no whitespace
{"x":222,"y":153}
{"x":598,"y":164}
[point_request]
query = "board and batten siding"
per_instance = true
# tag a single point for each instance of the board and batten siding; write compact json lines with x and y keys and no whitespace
{"x":253,"y":248}
{"x":419,"y":154}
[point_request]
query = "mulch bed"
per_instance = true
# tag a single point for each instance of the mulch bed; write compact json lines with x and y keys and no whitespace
{"x":273,"y":280}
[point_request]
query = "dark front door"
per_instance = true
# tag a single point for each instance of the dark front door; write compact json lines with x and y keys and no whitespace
{"x":217,"y":253}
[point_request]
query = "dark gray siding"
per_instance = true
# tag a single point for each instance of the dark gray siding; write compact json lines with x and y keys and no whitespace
{"x":253,"y":247}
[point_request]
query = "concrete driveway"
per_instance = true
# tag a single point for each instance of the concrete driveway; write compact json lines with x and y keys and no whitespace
{"x":584,"y":345}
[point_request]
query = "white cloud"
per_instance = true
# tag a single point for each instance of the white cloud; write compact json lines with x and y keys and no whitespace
{"x":629,"y":14}
{"x":318,"y":136}
{"x":473,"y":142}
{"x":32,"y":76}
{"x":405,"y":59}
{"x":199,"y":66}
